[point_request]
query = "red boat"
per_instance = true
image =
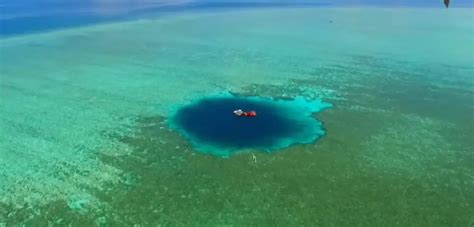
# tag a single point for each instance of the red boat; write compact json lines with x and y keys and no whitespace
{"x":242,"y":113}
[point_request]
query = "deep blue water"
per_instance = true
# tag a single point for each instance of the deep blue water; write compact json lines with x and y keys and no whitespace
{"x":212,"y":127}
{"x":27,"y":16}
{"x":213,"y":121}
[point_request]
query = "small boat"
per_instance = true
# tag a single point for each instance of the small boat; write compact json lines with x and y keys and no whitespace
{"x":242,"y":113}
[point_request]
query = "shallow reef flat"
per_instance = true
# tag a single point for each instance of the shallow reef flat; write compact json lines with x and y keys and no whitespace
{"x":85,"y":141}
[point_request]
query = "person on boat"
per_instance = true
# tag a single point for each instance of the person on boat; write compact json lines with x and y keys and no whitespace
{"x":242,"y":113}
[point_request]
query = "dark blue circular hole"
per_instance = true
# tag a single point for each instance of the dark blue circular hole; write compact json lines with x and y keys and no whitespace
{"x":211,"y":124}
{"x":213,"y":121}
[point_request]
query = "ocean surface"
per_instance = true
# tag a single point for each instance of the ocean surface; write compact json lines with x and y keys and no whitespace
{"x":86,"y":96}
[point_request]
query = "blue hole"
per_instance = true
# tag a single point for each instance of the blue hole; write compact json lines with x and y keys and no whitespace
{"x":213,"y":128}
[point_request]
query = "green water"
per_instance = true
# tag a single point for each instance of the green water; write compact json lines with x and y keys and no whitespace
{"x":83,"y":137}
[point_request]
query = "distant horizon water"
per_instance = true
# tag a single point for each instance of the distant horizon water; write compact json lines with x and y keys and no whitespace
{"x":23,"y":17}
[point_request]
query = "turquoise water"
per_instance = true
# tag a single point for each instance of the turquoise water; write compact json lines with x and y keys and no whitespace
{"x":84,"y":136}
